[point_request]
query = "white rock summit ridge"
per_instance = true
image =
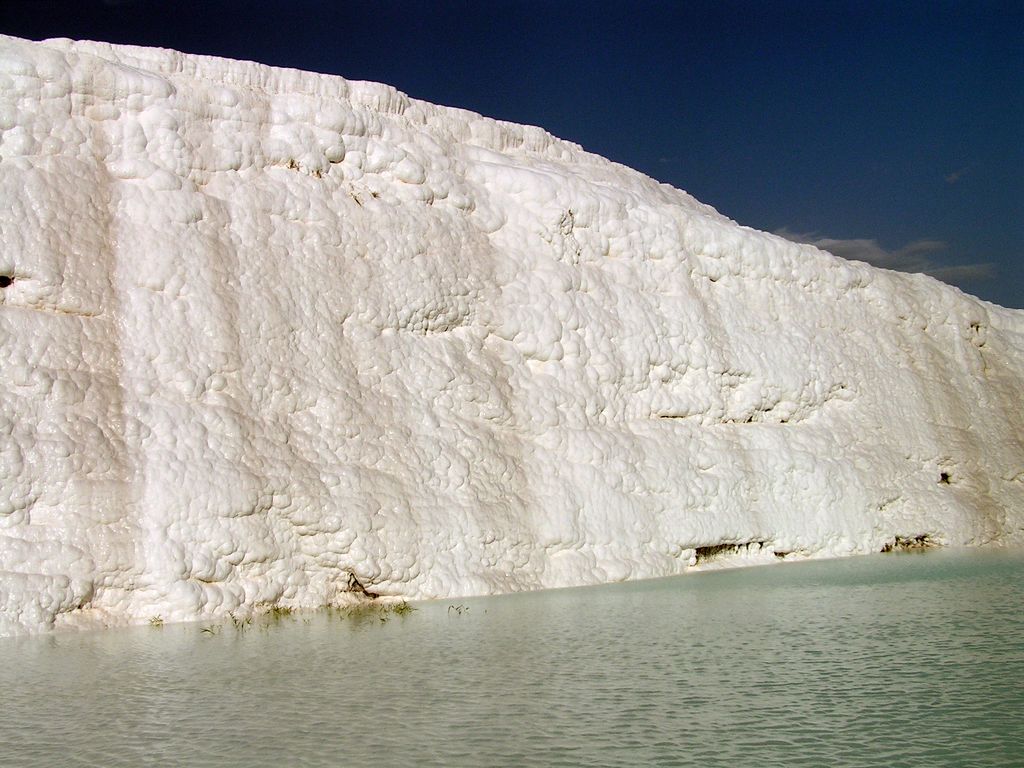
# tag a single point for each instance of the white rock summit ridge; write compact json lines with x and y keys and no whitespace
{"x":271,"y":337}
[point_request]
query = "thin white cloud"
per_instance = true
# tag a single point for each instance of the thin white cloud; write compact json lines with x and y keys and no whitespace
{"x":954,"y":176}
{"x":912,"y":257}
{"x":963,"y":272}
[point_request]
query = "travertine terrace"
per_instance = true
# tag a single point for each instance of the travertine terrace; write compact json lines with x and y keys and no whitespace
{"x":271,"y":337}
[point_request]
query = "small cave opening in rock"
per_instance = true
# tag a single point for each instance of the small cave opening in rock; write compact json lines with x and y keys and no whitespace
{"x":6,"y":281}
{"x":705,"y":554}
{"x":945,"y":478}
{"x":910,"y":543}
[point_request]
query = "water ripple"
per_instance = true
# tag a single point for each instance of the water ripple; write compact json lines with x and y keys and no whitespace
{"x":895,"y":661}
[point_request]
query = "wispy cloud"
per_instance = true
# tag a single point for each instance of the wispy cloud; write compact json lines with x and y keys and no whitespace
{"x":963,"y":272}
{"x":954,"y":176}
{"x":916,"y":256}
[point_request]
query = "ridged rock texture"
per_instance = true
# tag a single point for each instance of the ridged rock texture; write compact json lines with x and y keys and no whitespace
{"x":278,"y":338}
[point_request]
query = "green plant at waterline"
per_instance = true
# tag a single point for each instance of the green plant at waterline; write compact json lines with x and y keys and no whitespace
{"x":358,"y":612}
{"x":402,"y":609}
{"x":365,"y":611}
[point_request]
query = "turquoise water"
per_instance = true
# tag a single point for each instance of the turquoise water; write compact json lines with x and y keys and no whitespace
{"x":889,"y":660}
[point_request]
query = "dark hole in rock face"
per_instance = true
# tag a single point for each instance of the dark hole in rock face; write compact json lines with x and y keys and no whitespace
{"x":5,"y":281}
{"x":910,"y":543}
{"x":703,"y":554}
{"x":944,"y":478}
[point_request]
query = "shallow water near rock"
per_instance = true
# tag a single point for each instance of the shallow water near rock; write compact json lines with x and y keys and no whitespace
{"x":897,"y":660}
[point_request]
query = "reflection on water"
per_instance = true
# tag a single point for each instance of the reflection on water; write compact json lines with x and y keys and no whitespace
{"x":890,"y":660}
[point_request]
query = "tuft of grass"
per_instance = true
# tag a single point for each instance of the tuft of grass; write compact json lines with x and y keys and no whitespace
{"x":369,"y":610}
{"x":402,"y":609}
{"x":363,"y":611}
{"x":274,"y":614}
{"x":156,"y":621}
{"x":358,"y":611}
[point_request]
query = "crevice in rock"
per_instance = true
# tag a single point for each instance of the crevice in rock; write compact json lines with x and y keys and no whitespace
{"x":55,"y":310}
{"x":978,"y":335}
{"x":294,"y":165}
{"x":715,"y":551}
{"x":354,"y":585}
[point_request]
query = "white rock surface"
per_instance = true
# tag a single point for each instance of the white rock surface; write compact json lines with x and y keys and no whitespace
{"x":273,"y":337}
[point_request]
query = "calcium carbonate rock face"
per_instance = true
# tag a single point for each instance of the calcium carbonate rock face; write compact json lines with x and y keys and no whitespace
{"x":271,"y":337}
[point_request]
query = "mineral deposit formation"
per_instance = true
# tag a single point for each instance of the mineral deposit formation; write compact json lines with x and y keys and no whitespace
{"x":277,"y":338}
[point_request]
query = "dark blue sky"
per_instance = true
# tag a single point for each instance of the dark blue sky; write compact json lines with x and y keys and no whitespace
{"x":894,"y":131}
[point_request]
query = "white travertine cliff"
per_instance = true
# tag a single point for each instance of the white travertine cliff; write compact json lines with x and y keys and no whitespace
{"x":270,"y":337}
